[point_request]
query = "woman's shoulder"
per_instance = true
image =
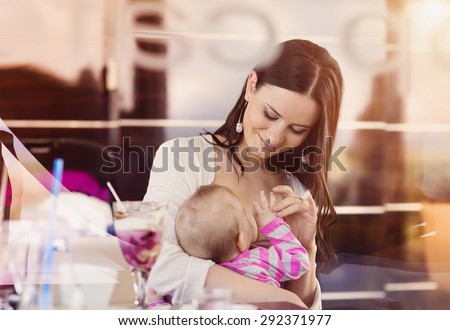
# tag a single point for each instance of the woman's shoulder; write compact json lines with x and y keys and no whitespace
{"x":187,"y":156}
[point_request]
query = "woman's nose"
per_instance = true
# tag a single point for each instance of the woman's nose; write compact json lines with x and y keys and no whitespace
{"x":276,"y":135}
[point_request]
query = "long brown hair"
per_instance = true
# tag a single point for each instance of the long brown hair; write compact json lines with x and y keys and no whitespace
{"x":303,"y":67}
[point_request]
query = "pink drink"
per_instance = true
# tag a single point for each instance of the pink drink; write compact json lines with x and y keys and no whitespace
{"x":140,"y":226}
{"x":139,"y":247}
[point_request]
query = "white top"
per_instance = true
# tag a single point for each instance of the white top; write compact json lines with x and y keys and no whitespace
{"x":180,"y":166}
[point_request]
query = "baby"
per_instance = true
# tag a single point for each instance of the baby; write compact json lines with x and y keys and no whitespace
{"x":212,"y":224}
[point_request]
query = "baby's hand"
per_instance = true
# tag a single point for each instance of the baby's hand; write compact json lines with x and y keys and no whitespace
{"x":263,"y":209}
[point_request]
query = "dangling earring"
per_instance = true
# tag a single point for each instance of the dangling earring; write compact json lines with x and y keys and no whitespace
{"x":239,"y":123}
{"x":305,"y":159}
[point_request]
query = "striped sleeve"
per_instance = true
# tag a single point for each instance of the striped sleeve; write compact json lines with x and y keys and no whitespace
{"x":288,"y":259}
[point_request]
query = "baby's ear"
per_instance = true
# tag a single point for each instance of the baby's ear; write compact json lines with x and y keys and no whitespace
{"x":240,"y":242}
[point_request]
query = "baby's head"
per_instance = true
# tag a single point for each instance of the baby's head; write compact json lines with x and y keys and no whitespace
{"x":212,"y":224}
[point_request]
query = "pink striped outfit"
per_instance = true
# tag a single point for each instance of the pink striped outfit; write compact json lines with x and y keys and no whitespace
{"x":285,"y":260}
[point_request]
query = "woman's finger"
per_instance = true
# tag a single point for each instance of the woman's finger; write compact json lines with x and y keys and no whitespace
{"x":308,"y":200}
{"x":291,"y":209}
{"x":284,"y":189}
{"x":288,"y":201}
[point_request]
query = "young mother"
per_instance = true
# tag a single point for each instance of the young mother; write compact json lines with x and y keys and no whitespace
{"x":276,"y":138}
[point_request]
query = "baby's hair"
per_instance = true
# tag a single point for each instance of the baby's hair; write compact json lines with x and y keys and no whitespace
{"x":205,"y":226}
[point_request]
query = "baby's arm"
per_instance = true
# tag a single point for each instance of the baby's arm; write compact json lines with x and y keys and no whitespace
{"x":292,"y":256}
{"x":263,"y":210}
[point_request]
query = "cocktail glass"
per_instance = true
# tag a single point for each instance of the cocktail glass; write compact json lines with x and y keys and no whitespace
{"x":140,"y":226}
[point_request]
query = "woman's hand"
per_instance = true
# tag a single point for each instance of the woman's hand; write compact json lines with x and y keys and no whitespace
{"x":299,"y":213}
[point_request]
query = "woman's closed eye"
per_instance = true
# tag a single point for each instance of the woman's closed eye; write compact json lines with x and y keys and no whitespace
{"x":269,"y":116}
{"x":297,"y":130}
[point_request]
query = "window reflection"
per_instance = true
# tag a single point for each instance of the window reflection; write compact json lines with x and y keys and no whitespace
{"x":179,"y":67}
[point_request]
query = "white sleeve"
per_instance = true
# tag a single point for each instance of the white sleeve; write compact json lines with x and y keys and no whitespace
{"x":175,"y":175}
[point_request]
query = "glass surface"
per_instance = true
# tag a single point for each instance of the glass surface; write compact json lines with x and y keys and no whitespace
{"x":140,"y":226}
{"x":5,"y":275}
{"x":394,"y":123}
{"x":214,"y":298}
{"x":43,"y":267}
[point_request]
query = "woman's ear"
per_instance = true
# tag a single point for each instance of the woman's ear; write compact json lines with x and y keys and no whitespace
{"x":240,"y":242}
{"x":250,"y":88}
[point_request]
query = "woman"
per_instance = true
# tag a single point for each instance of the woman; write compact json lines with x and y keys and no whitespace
{"x":276,"y":138}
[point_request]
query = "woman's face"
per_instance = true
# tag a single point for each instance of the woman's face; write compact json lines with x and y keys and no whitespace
{"x":276,"y":119}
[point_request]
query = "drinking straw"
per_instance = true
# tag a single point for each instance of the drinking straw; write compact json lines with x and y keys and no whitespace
{"x":116,"y":197}
{"x":58,"y":165}
{"x":3,"y":188}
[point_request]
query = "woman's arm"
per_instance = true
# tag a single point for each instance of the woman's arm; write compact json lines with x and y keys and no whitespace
{"x":248,"y":290}
{"x":306,"y":287}
{"x":301,"y":216}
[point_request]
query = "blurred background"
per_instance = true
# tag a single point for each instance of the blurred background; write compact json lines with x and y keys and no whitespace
{"x":105,"y":82}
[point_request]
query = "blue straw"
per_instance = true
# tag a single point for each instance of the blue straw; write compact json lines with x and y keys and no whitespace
{"x":45,"y":301}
